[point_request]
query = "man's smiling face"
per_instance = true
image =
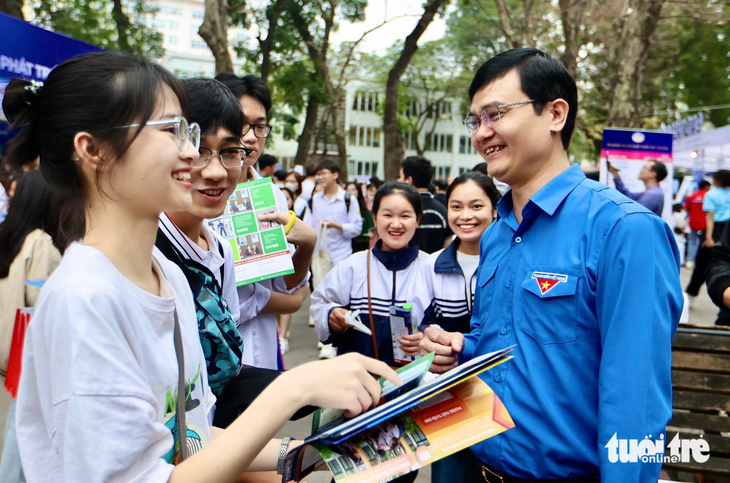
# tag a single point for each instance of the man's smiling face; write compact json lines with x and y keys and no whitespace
{"x":514,"y":146}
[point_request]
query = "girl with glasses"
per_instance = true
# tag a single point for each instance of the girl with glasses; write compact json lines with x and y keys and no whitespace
{"x":113,"y":345}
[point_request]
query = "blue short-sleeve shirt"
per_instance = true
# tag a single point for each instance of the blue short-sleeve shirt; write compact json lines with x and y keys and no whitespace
{"x":717,"y":200}
{"x":588,"y":288}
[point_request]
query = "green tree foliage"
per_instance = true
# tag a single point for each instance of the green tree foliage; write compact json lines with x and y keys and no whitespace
{"x":93,"y":22}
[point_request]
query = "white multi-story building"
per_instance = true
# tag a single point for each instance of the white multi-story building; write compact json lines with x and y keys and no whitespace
{"x":186,"y":53}
{"x":449,"y":147}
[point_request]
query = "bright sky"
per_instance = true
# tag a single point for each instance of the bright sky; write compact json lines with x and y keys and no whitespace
{"x":394,"y":31}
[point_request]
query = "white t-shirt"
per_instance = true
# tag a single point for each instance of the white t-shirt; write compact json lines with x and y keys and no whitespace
{"x":469,"y":265}
{"x":98,"y":392}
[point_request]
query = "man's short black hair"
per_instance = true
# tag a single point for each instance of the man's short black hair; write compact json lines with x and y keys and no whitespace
{"x":267,"y":160}
{"x":310,"y":170}
{"x":441,"y":184}
{"x":705,"y":184}
{"x":722,"y":177}
{"x":329,"y":165}
{"x":480,"y":168}
{"x":248,"y":85}
{"x":419,"y":169}
{"x":660,"y":170}
{"x":280,"y":175}
{"x":213,"y":106}
{"x":543,"y":78}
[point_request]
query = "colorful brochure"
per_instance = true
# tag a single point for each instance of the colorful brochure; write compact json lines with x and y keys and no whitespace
{"x":436,"y":419}
{"x":260,"y":250}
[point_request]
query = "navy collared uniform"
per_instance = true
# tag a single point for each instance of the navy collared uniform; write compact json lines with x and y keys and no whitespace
{"x":588,"y":288}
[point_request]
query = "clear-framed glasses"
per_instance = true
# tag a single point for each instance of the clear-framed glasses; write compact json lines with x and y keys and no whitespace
{"x":490,"y":115}
{"x":231,"y":158}
{"x":184,"y":132}
{"x":259,"y":130}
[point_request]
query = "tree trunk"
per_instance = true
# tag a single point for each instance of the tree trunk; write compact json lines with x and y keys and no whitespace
{"x":122,"y":21}
{"x":305,"y":138}
{"x":339,"y":136}
{"x":272,"y":16}
{"x":214,"y":31}
{"x":571,"y":16}
{"x":393,"y":145}
{"x":12,"y":7}
{"x":629,"y":60}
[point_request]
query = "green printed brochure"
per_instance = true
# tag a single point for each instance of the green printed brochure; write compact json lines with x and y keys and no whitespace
{"x":260,"y":249}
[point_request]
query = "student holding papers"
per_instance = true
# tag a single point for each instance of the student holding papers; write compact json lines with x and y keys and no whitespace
{"x":114,"y":386}
{"x":185,"y":239}
{"x":392,"y":279}
{"x":261,"y":301}
{"x":584,"y":281}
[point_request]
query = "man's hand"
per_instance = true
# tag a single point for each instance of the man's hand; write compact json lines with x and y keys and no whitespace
{"x":337,"y":320}
{"x":331,"y":224}
{"x":300,"y":233}
{"x":446,"y":345}
{"x":709,"y":242}
{"x":612,"y":169}
{"x":411,"y":343}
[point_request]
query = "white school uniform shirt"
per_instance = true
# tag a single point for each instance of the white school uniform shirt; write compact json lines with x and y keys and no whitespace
{"x":339,"y":244}
{"x":346,"y":286}
{"x":210,"y":258}
{"x":258,"y":331}
{"x":97,"y":397}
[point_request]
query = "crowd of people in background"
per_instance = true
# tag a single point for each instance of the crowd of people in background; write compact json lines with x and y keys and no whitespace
{"x":141,"y":331}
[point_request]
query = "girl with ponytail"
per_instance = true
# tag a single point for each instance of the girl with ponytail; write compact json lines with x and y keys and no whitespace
{"x":114,"y":384}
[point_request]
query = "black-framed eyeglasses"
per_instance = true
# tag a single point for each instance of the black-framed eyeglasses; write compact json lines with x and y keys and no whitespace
{"x":490,"y":115}
{"x":231,"y":158}
{"x":259,"y":130}
{"x":184,"y":132}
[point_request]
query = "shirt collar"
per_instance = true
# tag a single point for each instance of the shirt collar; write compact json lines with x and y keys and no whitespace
{"x":339,"y":196}
{"x":399,"y":260}
{"x":550,"y":196}
{"x":188,"y":247}
{"x":446,"y":262}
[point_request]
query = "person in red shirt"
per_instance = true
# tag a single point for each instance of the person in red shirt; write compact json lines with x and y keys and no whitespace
{"x":697,"y":220}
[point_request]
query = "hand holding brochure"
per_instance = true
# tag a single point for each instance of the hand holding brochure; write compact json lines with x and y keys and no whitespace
{"x":416,"y":424}
{"x":260,"y":250}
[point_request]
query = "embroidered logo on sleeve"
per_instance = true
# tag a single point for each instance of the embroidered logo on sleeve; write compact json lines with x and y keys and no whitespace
{"x":547,"y":281}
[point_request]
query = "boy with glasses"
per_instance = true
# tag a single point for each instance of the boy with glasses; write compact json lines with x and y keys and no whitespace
{"x":581,"y":279}
{"x":283,"y":295}
{"x":214,"y":177}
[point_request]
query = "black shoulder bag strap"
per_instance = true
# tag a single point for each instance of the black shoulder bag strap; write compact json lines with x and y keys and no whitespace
{"x":181,"y":393}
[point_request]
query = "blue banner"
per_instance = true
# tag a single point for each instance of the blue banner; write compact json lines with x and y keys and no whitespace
{"x":31,"y":52}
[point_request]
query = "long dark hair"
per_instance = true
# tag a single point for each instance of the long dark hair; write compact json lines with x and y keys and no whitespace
{"x":95,"y":93}
{"x":360,"y":196}
{"x":31,"y":209}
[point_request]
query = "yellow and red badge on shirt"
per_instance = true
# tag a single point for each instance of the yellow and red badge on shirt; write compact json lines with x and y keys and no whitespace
{"x":547,"y":281}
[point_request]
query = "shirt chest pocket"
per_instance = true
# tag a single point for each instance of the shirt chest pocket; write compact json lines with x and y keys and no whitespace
{"x":550,"y":305}
{"x":485,"y":288}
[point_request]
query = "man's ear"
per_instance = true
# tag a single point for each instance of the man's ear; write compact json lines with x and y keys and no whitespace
{"x":558,"y":110}
{"x":409,"y":180}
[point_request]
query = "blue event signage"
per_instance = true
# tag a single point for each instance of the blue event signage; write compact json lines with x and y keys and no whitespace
{"x":656,"y":142}
{"x":31,"y":52}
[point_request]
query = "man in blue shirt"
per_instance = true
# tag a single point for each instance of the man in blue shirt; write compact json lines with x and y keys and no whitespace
{"x":583,"y":280}
{"x":651,"y":175}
